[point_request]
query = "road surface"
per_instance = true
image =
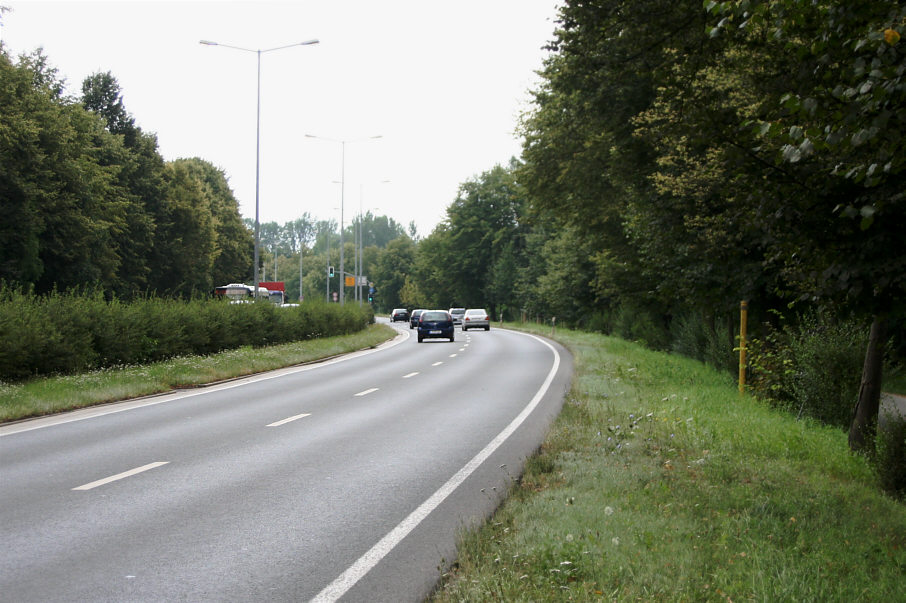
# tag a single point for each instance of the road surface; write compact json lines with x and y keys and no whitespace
{"x":345,"y":479}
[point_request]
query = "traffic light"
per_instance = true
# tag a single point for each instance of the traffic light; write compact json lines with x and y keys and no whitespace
{"x":370,"y":298}
{"x":330,"y":271}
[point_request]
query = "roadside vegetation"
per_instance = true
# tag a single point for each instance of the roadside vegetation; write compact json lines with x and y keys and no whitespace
{"x":679,"y":157}
{"x":46,"y":395}
{"x":67,"y":333}
{"x":658,"y":481}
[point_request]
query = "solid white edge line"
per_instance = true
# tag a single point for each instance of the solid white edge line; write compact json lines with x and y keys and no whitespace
{"x":367,"y":391}
{"x":366,"y":562}
{"x":122,"y":475}
{"x":289,"y":420}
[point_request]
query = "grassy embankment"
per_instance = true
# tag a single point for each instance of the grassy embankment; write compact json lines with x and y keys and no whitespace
{"x":44,"y":396}
{"x":658,"y":482}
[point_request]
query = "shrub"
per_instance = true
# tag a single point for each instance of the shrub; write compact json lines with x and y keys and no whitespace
{"x":769,"y":371}
{"x":642,"y":326}
{"x":71,"y":332}
{"x":827,"y":358}
{"x":600,"y":321}
{"x":704,"y":338}
{"x":813,"y":366}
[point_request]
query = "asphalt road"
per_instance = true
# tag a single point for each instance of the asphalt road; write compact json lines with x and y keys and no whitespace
{"x":346,"y":479}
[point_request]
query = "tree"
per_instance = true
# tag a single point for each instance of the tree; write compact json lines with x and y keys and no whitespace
{"x":430,"y":277}
{"x":484,"y":230}
{"x":101,"y":94}
{"x":62,"y":208}
{"x":391,"y":269}
{"x":233,"y":242}
{"x":186,"y":240}
{"x":838,"y":130}
{"x":584,"y":167}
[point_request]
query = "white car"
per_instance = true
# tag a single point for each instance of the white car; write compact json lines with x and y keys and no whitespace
{"x":476,"y":318}
{"x":457,"y":314}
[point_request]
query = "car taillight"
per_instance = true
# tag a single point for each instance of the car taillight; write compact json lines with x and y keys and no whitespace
{"x":466,"y":318}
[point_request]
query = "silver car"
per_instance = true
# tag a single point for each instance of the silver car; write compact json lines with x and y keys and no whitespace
{"x":457,"y":314}
{"x":476,"y":318}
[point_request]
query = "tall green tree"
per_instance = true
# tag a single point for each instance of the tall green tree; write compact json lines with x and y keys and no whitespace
{"x":431,"y":283}
{"x":584,"y":165}
{"x":102,"y":95}
{"x":59,"y":203}
{"x":233,"y":242}
{"x":838,"y":130}
{"x":486,"y":236}
{"x":390,"y":271}
{"x":186,"y":237}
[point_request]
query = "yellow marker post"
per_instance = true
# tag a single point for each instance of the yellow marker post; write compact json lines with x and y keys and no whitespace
{"x":743,"y":319}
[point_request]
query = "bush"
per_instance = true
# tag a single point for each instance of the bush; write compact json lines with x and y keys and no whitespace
{"x":828,"y":357}
{"x":642,"y":326}
{"x":72,"y":332}
{"x":769,"y":371}
{"x":704,"y":338}
{"x":814,"y":366}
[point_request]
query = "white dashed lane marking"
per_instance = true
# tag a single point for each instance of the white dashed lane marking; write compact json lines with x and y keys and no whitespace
{"x":289,"y":420}
{"x":122,"y":475}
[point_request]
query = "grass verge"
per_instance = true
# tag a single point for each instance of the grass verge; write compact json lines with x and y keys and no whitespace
{"x":658,"y":482}
{"x":44,"y":396}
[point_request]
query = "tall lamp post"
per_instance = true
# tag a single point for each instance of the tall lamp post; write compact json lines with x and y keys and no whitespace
{"x":259,"y":52}
{"x":342,"y":195}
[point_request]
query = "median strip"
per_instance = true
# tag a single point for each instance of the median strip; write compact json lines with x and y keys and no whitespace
{"x":122,"y":475}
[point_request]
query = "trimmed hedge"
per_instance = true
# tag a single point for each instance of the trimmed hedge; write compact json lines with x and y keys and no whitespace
{"x":62,"y":333}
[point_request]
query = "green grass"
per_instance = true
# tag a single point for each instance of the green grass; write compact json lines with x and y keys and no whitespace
{"x":44,"y":396}
{"x":658,"y":482}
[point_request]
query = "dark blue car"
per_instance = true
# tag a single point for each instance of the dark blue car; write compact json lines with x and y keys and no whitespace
{"x":436,"y":324}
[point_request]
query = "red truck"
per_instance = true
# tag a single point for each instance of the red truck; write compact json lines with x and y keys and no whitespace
{"x":276,"y":291}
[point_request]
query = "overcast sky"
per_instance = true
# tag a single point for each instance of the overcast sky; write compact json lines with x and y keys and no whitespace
{"x":443,"y":84}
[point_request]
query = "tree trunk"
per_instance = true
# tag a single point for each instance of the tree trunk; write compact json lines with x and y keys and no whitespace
{"x":865,"y":418}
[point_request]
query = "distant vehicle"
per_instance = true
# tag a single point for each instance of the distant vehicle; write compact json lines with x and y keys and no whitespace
{"x":235,"y":291}
{"x":276,"y":291}
{"x":476,"y":318}
{"x":401,"y":314}
{"x":436,"y":324}
{"x":457,"y":313}
{"x":413,"y":318}
{"x":241,"y":292}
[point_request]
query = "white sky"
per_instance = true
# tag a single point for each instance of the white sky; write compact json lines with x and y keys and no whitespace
{"x":443,"y":83}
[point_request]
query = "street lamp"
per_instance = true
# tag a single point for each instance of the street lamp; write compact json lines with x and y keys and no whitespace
{"x":259,"y":52}
{"x":342,"y":195}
